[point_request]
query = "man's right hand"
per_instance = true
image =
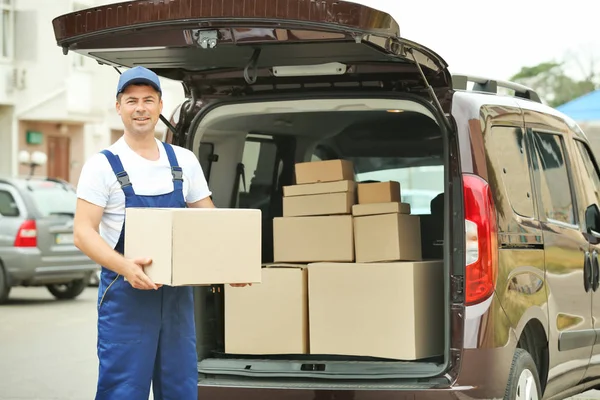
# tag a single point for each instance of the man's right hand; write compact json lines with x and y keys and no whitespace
{"x":136,"y":276}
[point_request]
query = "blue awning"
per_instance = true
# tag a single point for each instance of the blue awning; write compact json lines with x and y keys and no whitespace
{"x":583,"y":109}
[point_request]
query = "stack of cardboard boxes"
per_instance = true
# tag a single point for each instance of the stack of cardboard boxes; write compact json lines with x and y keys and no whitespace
{"x":347,"y":278}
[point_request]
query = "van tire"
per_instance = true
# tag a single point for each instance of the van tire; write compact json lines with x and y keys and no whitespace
{"x":523,"y":380}
{"x":69,"y":290}
{"x":4,"y":285}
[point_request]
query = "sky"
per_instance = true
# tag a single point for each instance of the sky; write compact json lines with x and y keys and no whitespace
{"x":495,"y":39}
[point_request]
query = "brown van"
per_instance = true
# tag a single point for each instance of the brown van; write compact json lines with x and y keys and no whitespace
{"x":504,"y":189}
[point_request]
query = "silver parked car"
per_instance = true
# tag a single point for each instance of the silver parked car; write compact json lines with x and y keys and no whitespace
{"x":36,"y":238}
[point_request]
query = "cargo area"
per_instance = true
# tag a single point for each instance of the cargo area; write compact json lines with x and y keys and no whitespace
{"x":355,"y":278}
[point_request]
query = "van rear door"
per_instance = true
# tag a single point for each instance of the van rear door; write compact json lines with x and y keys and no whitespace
{"x":231,"y":47}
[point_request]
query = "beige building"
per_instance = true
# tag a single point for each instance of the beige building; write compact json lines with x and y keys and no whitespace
{"x":61,"y":106}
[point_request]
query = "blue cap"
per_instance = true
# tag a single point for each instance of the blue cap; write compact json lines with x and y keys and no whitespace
{"x":138,"y":75}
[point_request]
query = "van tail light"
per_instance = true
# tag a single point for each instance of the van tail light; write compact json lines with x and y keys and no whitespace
{"x":481,"y":240}
{"x":27,"y":234}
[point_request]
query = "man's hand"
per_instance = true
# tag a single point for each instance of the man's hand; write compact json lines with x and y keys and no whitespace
{"x":240,"y":284}
{"x":136,"y":277}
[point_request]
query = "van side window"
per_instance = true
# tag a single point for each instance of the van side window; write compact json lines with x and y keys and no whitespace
{"x":554,"y":183}
{"x":206,"y":154}
{"x":589,"y":173}
{"x":8,"y":206}
{"x":511,"y":158}
{"x":256,"y":184}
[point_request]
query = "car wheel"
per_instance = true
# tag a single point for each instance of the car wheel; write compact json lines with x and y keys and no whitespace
{"x":523,"y":381}
{"x":70,"y":290}
{"x":4,"y":286}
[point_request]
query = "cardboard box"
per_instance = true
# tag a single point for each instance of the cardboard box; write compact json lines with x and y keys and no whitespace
{"x":319,"y":204}
{"x":380,"y":208}
{"x":324,"y":171}
{"x":388,"y":310}
{"x":378,"y":192}
{"x":387,"y":237}
{"x":319,"y":188}
{"x":308,"y":239}
{"x":270,"y":317}
{"x":196,"y":246}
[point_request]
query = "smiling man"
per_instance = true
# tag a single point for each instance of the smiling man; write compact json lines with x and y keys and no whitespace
{"x":146,"y":333}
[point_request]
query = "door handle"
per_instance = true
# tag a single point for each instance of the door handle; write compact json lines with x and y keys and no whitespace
{"x":587,"y":272}
{"x":595,"y":271}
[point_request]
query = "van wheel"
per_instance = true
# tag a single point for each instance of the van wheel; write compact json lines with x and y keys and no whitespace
{"x":4,"y":286}
{"x":67,"y":291}
{"x":523,"y":381}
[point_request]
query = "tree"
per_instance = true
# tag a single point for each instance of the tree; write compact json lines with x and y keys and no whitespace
{"x":554,"y":85}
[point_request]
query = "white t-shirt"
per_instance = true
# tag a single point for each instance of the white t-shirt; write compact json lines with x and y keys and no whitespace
{"x":98,"y":183}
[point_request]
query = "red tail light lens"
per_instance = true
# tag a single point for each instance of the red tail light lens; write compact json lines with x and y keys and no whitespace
{"x":27,"y":235}
{"x":481,"y":240}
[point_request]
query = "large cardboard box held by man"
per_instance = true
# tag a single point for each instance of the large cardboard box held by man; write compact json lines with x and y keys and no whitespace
{"x":196,"y":246}
{"x":270,"y":317}
{"x":387,"y":310}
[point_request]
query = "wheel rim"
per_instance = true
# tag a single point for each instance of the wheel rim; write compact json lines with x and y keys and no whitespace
{"x":527,"y":388}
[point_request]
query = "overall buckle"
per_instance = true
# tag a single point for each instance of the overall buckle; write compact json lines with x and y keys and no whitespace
{"x":123,"y":179}
{"x":177,"y":173}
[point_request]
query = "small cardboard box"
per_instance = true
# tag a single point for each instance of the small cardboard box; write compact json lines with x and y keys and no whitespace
{"x":387,"y":310}
{"x":196,"y":246}
{"x":319,"y":204}
{"x":359,"y":210}
{"x":387,"y":237}
{"x":270,"y":317}
{"x":378,"y":192}
{"x":319,"y":188}
{"x":324,"y":171}
{"x":309,"y":239}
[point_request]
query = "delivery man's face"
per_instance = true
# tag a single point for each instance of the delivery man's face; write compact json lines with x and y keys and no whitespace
{"x":139,"y":107}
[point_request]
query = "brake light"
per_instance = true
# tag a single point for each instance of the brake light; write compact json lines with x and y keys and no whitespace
{"x":27,"y":234}
{"x":481,"y":240}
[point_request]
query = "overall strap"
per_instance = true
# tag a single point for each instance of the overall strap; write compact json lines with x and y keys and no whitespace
{"x":122,"y":177}
{"x":176,"y":170}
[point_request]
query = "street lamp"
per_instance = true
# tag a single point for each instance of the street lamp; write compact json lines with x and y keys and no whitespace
{"x":37,"y":158}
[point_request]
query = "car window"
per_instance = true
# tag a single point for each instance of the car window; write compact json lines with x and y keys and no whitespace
{"x":589,"y":174}
{"x":554,"y":183}
{"x":8,"y":205}
{"x":52,"y":198}
{"x":511,"y":160}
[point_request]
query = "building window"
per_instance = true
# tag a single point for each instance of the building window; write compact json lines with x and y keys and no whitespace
{"x":7,"y":21}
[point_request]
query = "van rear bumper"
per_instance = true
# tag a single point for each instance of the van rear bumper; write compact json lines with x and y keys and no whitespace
{"x":231,"y":393}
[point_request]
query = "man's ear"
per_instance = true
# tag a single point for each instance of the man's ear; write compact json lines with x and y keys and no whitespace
{"x":118,"y":107}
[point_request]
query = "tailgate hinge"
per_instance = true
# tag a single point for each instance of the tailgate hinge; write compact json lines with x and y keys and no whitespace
{"x":206,"y":39}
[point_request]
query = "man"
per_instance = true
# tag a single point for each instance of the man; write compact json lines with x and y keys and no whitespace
{"x":146,"y":332}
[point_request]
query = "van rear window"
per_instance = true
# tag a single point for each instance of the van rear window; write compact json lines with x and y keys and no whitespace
{"x":419,"y":185}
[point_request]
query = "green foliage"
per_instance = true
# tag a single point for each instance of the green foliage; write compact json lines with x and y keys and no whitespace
{"x":554,"y":85}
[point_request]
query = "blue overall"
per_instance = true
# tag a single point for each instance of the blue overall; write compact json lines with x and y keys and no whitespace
{"x":146,"y":335}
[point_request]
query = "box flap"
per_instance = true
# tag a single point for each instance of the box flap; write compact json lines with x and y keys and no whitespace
{"x":319,"y":188}
{"x":395,"y":207}
{"x":284,"y":265}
